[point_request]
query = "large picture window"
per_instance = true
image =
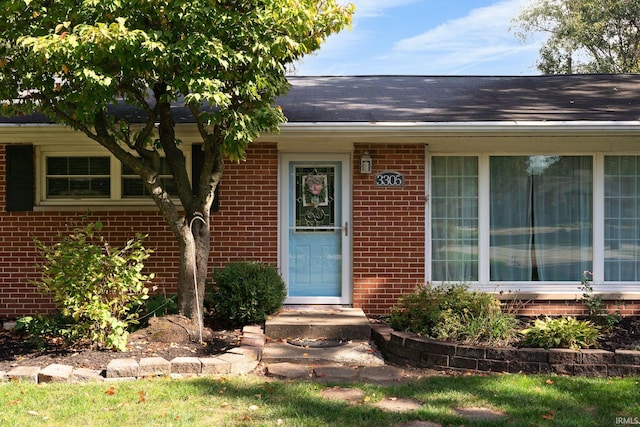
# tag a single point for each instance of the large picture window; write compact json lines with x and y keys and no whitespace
{"x":541,"y":215}
{"x":534,"y":219}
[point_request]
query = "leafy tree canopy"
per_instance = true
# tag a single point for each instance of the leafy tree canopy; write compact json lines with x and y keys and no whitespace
{"x":224,"y":59}
{"x":72,"y":58}
{"x":584,"y":36}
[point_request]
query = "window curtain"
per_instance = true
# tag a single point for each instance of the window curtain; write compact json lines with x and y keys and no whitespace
{"x":541,"y":217}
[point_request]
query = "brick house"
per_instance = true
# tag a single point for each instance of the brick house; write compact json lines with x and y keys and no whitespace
{"x":513,"y":185}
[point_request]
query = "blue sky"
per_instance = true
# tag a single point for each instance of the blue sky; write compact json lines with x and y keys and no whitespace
{"x":427,"y":37}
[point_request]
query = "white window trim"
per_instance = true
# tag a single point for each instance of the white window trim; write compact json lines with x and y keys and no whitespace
{"x":84,"y":150}
{"x":567,"y":289}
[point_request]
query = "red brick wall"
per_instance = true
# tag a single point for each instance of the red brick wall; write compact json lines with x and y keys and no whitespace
{"x":388,"y":233}
{"x":573,"y":308}
{"x":244,"y":228}
{"x":388,"y":227}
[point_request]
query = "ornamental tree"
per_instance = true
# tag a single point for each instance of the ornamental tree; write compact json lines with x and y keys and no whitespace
{"x":225,"y":59}
{"x":584,"y":36}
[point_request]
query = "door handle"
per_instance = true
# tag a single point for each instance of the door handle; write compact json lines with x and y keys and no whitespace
{"x":346,"y":228}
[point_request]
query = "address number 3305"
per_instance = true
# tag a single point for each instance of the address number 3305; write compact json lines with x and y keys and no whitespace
{"x":389,"y":179}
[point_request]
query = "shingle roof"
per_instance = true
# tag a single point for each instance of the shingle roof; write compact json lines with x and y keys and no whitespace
{"x":445,"y":99}
{"x":463,"y":99}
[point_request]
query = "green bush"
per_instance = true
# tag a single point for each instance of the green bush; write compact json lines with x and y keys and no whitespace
{"x":453,"y":312}
{"x":562,"y":332}
{"x":39,"y":328}
{"x":95,"y":284}
{"x":246,"y":292}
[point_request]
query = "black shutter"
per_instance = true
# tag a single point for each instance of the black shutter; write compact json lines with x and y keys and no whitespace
{"x":197,"y":159}
{"x":20,"y":176}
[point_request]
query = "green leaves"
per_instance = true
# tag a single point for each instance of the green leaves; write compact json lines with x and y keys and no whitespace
{"x":584,"y":36}
{"x":96,"y":284}
{"x":562,"y":332}
{"x":73,"y":60}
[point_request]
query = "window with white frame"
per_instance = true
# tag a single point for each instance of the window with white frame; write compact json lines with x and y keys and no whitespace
{"x":132,"y":185}
{"x":537,"y":216}
{"x":77,"y":176}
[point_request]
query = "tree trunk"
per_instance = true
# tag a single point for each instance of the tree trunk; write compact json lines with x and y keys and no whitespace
{"x":194,"y":243}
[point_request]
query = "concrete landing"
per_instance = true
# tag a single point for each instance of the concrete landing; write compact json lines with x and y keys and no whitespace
{"x":328,"y":323}
{"x":356,"y":353}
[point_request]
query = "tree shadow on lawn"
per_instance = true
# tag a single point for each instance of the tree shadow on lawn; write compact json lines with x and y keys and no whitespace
{"x":524,"y":400}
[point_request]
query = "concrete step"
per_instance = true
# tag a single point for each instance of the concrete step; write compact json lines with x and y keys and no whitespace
{"x":353,"y":353}
{"x":327,"y":323}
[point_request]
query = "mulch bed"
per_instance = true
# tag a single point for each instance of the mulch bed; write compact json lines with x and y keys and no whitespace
{"x":19,"y":351}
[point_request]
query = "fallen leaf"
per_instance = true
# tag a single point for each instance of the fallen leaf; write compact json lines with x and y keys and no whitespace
{"x":225,"y":404}
{"x":34,"y":413}
{"x":253,"y":408}
{"x":549,"y":382}
{"x":142,"y":398}
{"x":111,"y":391}
{"x":14,"y":402}
{"x":549,"y":415}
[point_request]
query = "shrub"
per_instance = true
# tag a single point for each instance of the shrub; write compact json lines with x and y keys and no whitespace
{"x":453,"y":312}
{"x":562,"y":332}
{"x":246,"y":292}
{"x":95,"y":284}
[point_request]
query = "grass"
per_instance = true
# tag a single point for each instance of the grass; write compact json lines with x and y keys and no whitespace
{"x":254,"y":401}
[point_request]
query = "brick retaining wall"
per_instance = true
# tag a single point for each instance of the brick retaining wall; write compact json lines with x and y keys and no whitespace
{"x":410,"y":349}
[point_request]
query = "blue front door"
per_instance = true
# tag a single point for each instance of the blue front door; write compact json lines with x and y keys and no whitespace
{"x":317,"y":232}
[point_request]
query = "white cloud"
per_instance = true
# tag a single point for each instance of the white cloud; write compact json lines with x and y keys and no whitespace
{"x":484,"y":31}
{"x":478,"y":43}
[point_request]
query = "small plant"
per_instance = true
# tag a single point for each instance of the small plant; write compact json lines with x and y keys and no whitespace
{"x":95,"y":285}
{"x":246,"y":292}
{"x":597,"y":313}
{"x":562,"y":332}
{"x":39,"y":329}
{"x":453,"y":312}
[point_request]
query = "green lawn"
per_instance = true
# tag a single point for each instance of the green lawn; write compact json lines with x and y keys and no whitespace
{"x":255,"y":401}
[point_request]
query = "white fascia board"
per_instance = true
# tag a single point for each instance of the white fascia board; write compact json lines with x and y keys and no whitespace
{"x":463,"y":127}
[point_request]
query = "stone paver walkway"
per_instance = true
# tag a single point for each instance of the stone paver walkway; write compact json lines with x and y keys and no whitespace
{"x":245,"y":359}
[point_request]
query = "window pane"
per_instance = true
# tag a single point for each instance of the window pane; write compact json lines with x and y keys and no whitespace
{"x":454,"y":213}
{"x":78,"y":177}
{"x":99,"y":166}
{"x":622,"y":218}
{"x":541,"y":216}
{"x":57,"y":166}
{"x":132,"y":185}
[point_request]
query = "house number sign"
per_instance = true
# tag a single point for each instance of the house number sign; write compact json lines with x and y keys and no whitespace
{"x":389,"y":179}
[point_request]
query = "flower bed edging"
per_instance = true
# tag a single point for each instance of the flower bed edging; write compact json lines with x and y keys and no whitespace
{"x":410,"y":349}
